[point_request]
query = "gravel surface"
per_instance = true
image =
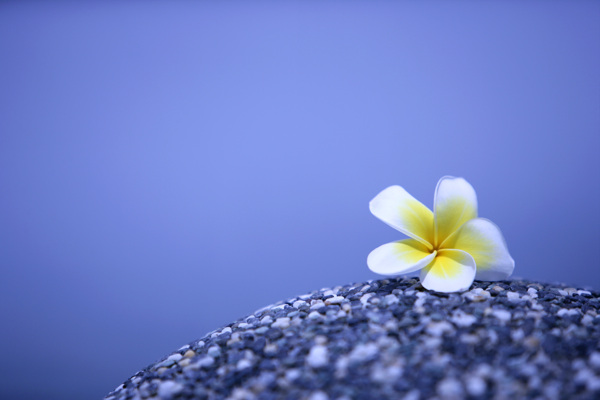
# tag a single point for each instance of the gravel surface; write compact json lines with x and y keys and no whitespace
{"x":392,"y":339}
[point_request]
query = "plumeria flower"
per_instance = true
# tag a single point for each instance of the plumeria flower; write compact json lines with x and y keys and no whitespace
{"x":450,"y":246}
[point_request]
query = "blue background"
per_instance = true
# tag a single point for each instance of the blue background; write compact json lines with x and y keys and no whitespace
{"x":167,"y":167}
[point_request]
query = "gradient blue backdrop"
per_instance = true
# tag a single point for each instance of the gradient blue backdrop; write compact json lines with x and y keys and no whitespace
{"x":167,"y":167}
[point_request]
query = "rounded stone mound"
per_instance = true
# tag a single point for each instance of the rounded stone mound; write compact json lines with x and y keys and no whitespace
{"x":392,"y":339}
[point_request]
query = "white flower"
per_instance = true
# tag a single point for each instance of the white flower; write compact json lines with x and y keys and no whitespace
{"x":451,"y":246}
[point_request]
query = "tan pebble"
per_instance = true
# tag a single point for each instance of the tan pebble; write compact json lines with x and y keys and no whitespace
{"x":532,"y":342}
{"x":189,"y":353}
{"x":185,"y":362}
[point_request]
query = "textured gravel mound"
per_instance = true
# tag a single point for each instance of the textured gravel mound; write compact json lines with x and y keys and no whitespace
{"x":392,"y":339}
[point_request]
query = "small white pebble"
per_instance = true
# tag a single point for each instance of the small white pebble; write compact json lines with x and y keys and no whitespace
{"x":168,"y":389}
{"x":513,"y":296}
{"x":517,"y":335}
{"x":420,"y":302}
{"x":292,"y":374}
{"x":363,"y":352}
{"x":315,"y":304}
{"x":243,"y":364}
{"x":317,"y":356}
{"x":282,"y":323}
{"x":567,"y":311}
{"x":483,"y":370}
{"x":271,"y":349}
{"x":365,"y":298}
{"x":477,"y":294}
{"x":318,"y":395}
{"x":204,"y":362}
{"x":532,"y":292}
{"x":241,"y":394}
{"x":299,"y":303}
{"x":334,"y":300}
{"x":172,"y":359}
{"x":391,"y":299}
{"x":431,"y":342}
{"x":412,"y":395}
{"x":438,"y":328}
{"x":235,"y":337}
{"x":589,"y":378}
{"x":213,"y":351}
{"x":595,"y":360}
{"x":475,"y":385}
{"x":451,"y":389}
{"x":492,"y":337}
{"x":341,"y":367}
{"x":383,"y":374}
{"x":502,"y":315}
{"x":314,"y":315}
{"x":582,"y":292}
{"x":460,"y":318}
{"x":266,"y":320}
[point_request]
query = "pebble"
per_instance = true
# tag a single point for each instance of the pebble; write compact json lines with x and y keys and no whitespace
{"x":189,"y":354}
{"x":475,"y":385}
{"x":282,"y":323}
{"x":460,"y":318}
{"x":204,"y":362}
{"x":363,"y":352}
{"x":513,"y":296}
{"x":392,"y":339}
{"x":439,"y":328}
{"x":168,"y":389}
{"x":502,"y":315}
{"x":595,"y":360}
{"x":365,"y":298}
{"x":450,"y":389}
{"x":171,"y":360}
{"x":300,"y":304}
{"x":317,"y":357}
{"x":318,"y":396}
{"x":214,"y":351}
{"x":478,"y":294}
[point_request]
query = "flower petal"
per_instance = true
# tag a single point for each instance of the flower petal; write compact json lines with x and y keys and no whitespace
{"x":450,"y":271}
{"x":455,"y":202}
{"x":397,"y":208}
{"x":399,"y":257}
{"x":482,"y":239}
